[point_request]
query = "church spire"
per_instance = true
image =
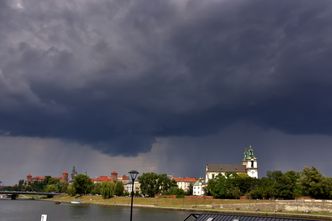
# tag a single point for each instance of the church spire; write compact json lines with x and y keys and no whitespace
{"x":249,"y":154}
{"x":250,"y":162}
{"x":73,"y":173}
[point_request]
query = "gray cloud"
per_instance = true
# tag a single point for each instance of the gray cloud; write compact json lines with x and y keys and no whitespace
{"x":118,"y":74}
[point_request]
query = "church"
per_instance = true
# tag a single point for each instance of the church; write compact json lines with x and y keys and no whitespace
{"x":248,"y":166}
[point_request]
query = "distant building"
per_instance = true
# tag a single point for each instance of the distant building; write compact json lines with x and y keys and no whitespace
{"x":124,"y":179}
{"x":102,"y":179}
{"x":113,"y":178}
{"x":32,"y":179}
{"x":213,"y":170}
{"x":114,"y":175}
{"x":65,"y":177}
{"x":137,"y":187}
{"x":248,"y":166}
{"x":198,"y":187}
{"x":250,"y":162}
{"x":73,"y":173}
{"x":184,"y":182}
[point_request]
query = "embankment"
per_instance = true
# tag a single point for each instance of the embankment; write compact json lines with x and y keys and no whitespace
{"x":312,"y":209}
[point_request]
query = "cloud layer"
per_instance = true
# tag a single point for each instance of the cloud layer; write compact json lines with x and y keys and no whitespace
{"x":117,"y":74}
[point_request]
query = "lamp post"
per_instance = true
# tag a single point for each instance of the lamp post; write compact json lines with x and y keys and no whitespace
{"x":133,"y":176}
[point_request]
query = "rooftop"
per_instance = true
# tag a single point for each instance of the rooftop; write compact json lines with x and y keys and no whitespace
{"x":237,"y":168}
{"x":226,"y":217}
{"x":185,"y":179}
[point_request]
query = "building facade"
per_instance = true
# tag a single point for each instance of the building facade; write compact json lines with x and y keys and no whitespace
{"x":249,"y":166}
{"x":32,"y":179}
{"x":198,"y":187}
{"x":213,"y":170}
{"x":137,"y":187}
{"x":250,"y":162}
{"x":184,"y":183}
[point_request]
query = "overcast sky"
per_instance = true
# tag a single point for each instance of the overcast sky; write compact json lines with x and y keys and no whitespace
{"x":163,"y":85}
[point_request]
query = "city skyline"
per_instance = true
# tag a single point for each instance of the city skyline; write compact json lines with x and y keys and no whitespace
{"x":163,"y":85}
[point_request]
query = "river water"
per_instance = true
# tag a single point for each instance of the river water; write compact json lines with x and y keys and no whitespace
{"x":31,"y":210}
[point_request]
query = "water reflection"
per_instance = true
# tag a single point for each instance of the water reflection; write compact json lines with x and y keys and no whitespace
{"x":21,"y":210}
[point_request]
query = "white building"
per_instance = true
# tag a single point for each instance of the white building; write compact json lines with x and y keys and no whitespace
{"x":198,"y":188}
{"x":248,"y":166}
{"x":250,"y":162}
{"x":213,"y":170}
{"x":184,"y":182}
{"x":137,"y":187}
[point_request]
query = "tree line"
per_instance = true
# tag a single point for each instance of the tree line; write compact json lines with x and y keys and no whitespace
{"x":48,"y":184}
{"x":81,"y":185}
{"x":151,"y":184}
{"x":276,"y":185}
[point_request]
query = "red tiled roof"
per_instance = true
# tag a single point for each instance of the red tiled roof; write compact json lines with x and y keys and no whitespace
{"x":185,"y":179}
{"x":124,"y":177}
{"x":102,"y":179}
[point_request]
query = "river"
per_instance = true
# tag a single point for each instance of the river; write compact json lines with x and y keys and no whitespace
{"x":31,"y":210}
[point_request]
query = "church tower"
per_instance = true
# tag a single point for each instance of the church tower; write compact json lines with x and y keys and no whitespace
{"x":73,"y":173}
{"x":250,"y":162}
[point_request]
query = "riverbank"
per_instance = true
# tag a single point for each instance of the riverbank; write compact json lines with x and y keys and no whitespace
{"x":313,"y":209}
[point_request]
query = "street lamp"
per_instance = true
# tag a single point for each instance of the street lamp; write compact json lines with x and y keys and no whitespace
{"x":133,"y":176}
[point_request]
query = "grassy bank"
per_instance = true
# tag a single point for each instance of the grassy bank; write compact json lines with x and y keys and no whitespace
{"x":31,"y":197}
{"x":309,"y":209}
{"x":179,"y":203}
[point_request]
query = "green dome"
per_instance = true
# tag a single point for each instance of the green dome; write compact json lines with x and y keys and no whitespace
{"x":249,"y":154}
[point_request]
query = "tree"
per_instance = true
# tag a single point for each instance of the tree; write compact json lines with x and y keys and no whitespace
{"x":107,"y":190}
{"x":165,"y":183}
{"x":71,"y":190}
{"x":326,"y":185}
{"x":82,"y":184}
{"x":51,"y":188}
{"x":96,"y":188}
{"x":224,"y":187}
{"x":21,"y":185}
{"x":118,"y":189}
{"x":149,"y":184}
{"x":263,"y":189}
{"x":243,"y":182}
{"x":189,"y":192}
{"x":313,"y":184}
{"x":277,"y":185}
{"x":153,"y":184}
{"x":176,"y":191}
{"x":287,"y":187}
{"x":63,"y":187}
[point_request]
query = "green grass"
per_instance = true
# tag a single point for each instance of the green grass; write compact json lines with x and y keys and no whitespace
{"x":159,"y":202}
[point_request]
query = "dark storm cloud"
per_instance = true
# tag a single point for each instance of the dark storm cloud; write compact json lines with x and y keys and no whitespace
{"x":117,"y":74}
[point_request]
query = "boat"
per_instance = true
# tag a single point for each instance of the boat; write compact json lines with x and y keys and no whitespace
{"x":4,"y":197}
{"x":75,"y":202}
